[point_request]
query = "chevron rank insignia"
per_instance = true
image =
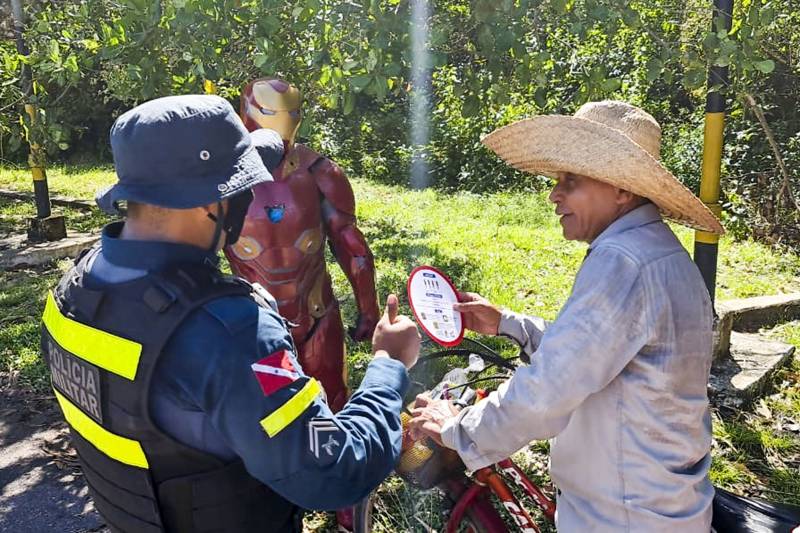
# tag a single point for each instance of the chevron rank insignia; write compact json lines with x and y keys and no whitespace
{"x":325,"y":438}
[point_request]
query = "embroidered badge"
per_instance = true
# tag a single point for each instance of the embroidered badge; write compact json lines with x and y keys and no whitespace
{"x":275,"y":371}
{"x":324,"y":437}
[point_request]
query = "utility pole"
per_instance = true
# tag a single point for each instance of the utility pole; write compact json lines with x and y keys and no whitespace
{"x":45,"y":226}
{"x":706,"y":245}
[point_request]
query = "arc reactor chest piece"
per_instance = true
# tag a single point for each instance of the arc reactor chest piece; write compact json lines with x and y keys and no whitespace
{"x":276,"y":213}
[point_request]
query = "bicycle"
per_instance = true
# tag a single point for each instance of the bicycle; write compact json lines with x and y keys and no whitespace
{"x":430,"y":490}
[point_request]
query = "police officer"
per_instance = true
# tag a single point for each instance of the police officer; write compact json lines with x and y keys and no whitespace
{"x":186,"y":403}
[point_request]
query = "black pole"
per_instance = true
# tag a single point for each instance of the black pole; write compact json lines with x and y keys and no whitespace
{"x":706,"y":245}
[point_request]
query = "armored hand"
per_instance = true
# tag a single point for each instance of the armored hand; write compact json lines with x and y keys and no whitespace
{"x":364,"y":328}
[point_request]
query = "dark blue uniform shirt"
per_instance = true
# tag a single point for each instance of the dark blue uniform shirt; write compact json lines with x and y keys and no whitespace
{"x":205,"y":394}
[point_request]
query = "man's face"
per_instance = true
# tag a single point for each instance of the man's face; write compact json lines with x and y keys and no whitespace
{"x":586,"y":206}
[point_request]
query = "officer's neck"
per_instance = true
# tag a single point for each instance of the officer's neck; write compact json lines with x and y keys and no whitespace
{"x":184,"y":228}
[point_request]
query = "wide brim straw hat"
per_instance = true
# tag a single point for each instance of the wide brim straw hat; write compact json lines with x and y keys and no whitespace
{"x":609,"y":141}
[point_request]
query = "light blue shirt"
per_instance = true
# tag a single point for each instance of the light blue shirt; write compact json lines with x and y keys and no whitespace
{"x":618,"y":381}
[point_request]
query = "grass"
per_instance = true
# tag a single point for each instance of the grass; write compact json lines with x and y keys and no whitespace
{"x":74,"y":181}
{"x":507,"y":247}
{"x":757,"y":452}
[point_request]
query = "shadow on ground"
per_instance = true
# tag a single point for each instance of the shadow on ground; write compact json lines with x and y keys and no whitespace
{"x":41,"y":488}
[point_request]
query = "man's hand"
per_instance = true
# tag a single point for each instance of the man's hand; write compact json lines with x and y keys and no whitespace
{"x":429,"y":416}
{"x":396,"y":336}
{"x":478,"y":313}
{"x":365,"y":327}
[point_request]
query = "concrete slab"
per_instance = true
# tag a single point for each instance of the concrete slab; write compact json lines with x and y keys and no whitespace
{"x":52,"y":228}
{"x":721,"y":340}
{"x":16,"y":251}
{"x":751,"y":314}
{"x":747,"y":374}
{"x":54,"y":199}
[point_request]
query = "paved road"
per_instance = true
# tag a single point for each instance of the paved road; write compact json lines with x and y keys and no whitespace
{"x":41,"y":489}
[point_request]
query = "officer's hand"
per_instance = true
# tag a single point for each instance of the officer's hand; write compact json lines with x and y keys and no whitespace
{"x":396,"y":336}
{"x":478,"y":313}
{"x":365,"y":327}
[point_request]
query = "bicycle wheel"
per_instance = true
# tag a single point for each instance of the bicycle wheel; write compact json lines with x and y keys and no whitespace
{"x":397,"y":506}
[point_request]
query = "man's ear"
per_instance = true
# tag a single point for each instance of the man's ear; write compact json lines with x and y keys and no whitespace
{"x":624,"y":197}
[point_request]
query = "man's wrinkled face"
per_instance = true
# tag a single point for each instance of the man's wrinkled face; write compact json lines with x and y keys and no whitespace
{"x":586,"y":206}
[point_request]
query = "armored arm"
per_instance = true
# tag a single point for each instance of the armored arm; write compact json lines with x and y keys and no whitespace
{"x":347,"y":243}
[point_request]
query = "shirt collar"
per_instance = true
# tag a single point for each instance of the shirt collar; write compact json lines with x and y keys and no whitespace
{"x":149,"y":255}
{"x":641,"y":216}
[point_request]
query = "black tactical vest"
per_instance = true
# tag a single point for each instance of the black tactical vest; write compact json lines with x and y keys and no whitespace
{"x":102,"y":347}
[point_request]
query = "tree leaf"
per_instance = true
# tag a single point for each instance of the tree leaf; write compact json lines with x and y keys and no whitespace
{"x":765,"y":66}
{"x":611,"y":84}
{"x":540,"y":97}
{"x":654,"y":67}
{"x":470,"y":106}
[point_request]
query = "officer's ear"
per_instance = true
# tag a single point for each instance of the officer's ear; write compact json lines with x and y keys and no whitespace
{"x":214,"y":211}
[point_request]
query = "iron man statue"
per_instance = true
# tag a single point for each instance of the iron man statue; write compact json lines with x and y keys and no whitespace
{"x":282,"y":242}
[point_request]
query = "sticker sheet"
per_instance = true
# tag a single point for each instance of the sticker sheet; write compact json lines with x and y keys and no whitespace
{"x":432,"y":296}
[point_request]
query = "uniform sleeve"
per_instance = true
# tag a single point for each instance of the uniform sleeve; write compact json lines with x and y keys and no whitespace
{"x":600,"y":329}
{"x":281,"y":426}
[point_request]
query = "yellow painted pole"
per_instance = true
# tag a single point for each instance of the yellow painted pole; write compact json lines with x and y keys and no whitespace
{"x":706,"y":245}
{"x":36,"y":156}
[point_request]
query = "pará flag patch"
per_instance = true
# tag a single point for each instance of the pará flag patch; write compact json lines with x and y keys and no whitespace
{"x":275,"y":371}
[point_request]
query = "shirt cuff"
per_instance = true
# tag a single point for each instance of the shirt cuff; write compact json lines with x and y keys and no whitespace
{"x":386,"y":372}
{"x":450,"y":427}
{"x":511,"y":326}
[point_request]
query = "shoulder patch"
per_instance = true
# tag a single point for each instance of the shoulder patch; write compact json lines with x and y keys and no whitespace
{"x":275,"y":371}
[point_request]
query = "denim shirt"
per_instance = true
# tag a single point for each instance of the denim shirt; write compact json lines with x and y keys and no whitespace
{"x":618,"y":381}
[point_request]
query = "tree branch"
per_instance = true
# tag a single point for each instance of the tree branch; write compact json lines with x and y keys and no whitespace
{"x":786,"y":187}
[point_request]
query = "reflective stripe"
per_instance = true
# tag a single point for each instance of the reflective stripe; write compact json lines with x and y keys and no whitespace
{"x":118,"y":448}
{"x":293,"y":408}
{"x":109,"y":352}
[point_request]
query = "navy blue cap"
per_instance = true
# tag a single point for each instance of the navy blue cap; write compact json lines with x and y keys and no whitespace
{"x":270,"y":147}
{"x":181,"y":152}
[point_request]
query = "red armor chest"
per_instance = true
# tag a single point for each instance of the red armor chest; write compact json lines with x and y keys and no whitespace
{"x":283,"y":229}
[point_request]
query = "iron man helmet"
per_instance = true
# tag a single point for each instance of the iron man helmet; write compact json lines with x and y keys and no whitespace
{"x":272,"y":103}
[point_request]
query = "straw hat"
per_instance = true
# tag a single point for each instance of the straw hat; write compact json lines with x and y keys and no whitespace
{"x":610,"y":141}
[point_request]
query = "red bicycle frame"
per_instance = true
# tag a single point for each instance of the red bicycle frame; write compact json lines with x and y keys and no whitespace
{"x":488,"y":479}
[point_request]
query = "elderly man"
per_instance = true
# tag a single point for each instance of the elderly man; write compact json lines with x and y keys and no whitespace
{"x":618,"y":380}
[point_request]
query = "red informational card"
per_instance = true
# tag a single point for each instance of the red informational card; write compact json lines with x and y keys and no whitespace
{"x":432,"y":295}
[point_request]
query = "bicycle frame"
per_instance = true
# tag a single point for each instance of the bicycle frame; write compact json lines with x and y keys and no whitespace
{"x":489,"y":479}
{"x":547,"y":506}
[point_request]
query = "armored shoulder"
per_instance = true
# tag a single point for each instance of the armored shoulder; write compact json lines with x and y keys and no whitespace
{"x":334,"y":186}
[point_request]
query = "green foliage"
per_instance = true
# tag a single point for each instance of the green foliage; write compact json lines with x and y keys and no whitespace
{"x":507,"y":246}
{"x":11,"y":136}
{"x":492,"y":62}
